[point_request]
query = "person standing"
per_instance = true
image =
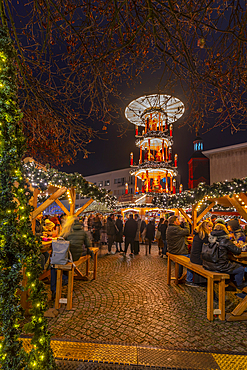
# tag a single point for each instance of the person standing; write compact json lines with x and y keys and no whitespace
{"x":111,"y":232}
{"x":96,"y":227}
{"x":130,"y":229}
{"x":39,"y":224}
{"x":176,"y":237}
{"x":119,"y":234}
{"x":137,"y":237}
{"x":150,"y":234}
{"x":163,"y":228}
{"x":143,"y":229}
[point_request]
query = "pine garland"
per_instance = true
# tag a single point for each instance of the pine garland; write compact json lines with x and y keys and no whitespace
{"x":18,"y":246}
{"x":41,"y":179}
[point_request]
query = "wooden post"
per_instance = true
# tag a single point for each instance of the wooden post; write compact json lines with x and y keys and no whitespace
{"x":135,"y":184}
{"x":149,"y":152}
{"x":72,"y":205}
{"x":210,"y":299}
{"x":58,"y":288}
{"x":194,"y":217}
{"x":166,"y":154}
{"x":222,"y":300}
{"x":70,"y":288}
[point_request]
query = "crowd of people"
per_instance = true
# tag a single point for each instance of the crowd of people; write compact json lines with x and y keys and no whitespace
{"x":171,"y":235}
{"x":228,"y":238}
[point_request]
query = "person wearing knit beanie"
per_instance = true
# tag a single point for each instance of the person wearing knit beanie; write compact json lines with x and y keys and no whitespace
{"x":220,"y":221}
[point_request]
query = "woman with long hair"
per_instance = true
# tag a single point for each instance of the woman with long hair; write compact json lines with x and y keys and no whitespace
{"x":201,"y":234}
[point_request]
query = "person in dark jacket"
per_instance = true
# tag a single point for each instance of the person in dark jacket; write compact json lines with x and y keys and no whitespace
{"x":137,"y":237}
{"x":177,"y":243}
{"x":79,"y":241}
{"x":143,"y":227}
{"x":235,"y":230}
{"x":150,"y":234}
{"x":200,"y":236}
{"x":130,"y":229}
{"x":96,"y":227}
{"x":111,"y":232}
{"x":119,"y":234}
{"x":79,"y":246}
{"x":163,"y":228}
{"x":224,"y":264}
{"x":39,"y":223}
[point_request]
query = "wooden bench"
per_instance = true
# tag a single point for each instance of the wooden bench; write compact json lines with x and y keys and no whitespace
{"x":211,"y":277}
{"x":72,"y":269}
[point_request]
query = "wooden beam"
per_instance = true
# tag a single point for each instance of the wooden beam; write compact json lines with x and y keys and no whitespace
{"x":211,"y":205}
{"x":60,"y":204}
{"x":72,"y":205}
{"x":48,"y":202}
{"x":243,"y":196}
{"x":194,"y":217}
{"x":235,"y":203}
{"x":33,"y":202}
{"x":187,"y":217}
{"x":84,"y":207}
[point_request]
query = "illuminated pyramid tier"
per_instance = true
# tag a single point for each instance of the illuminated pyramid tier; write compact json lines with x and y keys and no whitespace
{"x":156,"y":114}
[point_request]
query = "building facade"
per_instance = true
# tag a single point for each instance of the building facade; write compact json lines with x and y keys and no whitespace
{"x":228,"y":162}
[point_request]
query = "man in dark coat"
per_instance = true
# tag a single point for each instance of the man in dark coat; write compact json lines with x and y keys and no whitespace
{"x":224,"y":264}
{"x":176,"y":237}
{"x":39,"y":223}
{"x":111,"y":232}
{"x":79,"y":241}
{"x":119,"y":234}
{"x":150,"y":234}
{"x":130,"y":229}
{"x":143,"y":227}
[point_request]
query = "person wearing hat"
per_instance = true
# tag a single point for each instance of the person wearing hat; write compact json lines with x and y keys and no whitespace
{"x":49,"y":227}
{"x":235,"y":231}
{"x":220,"y":221}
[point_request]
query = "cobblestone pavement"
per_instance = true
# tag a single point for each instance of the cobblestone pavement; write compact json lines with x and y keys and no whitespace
{"x":130,"y":302}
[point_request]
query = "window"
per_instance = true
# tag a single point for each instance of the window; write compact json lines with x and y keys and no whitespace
{"x":115,"y":181}
{"x":100,"y":183}
{"x":107,"y":182}
{"x":77,"y":196}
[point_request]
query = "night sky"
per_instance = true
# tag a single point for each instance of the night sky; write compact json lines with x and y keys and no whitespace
{"x":112,"y":153}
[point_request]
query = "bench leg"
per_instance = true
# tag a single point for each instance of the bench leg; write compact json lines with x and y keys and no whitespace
{"x":210,"y":299}
{"x":222,"y":300}
{"x":168,"y":271}
{"x":58,"y":288}
{"x":95,"y":265}
{"x":176,"y":272}
{"x":87,"y":267}
{"x":70,"y":289}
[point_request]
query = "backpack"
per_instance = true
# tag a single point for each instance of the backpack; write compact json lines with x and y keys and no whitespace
{"x":210,"y":250}
{"x":60,"y":252}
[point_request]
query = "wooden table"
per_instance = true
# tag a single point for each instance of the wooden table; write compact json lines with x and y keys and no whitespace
{"x":239,"y":314}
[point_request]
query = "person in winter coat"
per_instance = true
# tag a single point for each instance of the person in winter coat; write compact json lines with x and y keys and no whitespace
{"x":130,"y":229}
{"x":224,"y":264}
{"x":96,"y":227}
{"x":137,"y":237}
{"x":235,"y":230}
{"x":79,"y":246}
{"x":119,"y":234}
{"x":162,"y":228}
{"x":111,"y":232}
{"x":143,"y":229}
{"x":150,"y":234}
{"x":200,"y":236}
{"x":177,"y":243}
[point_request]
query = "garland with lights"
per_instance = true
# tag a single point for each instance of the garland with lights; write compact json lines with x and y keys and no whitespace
{"x":19,"y":247}
{"x":203,"y":191}
{"x":42,"y":179}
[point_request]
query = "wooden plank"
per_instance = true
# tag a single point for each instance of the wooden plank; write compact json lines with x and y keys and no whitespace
{"x":72,"y":205}
{"x":222,"y":300}
{"x":235,"y":203}
{"x":241,"y":307}
{"x":60,"y":204}
{"x":48,"y":202}
{"x":211,"y":205}
{"x":210,"y":299}
{"x":187,"y":217}
{"x":194,"y":217}
{"x":230,"y":317}
{"x":84,"y":207}
{"x":58,"y":288}
{"x":70,"y":289}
